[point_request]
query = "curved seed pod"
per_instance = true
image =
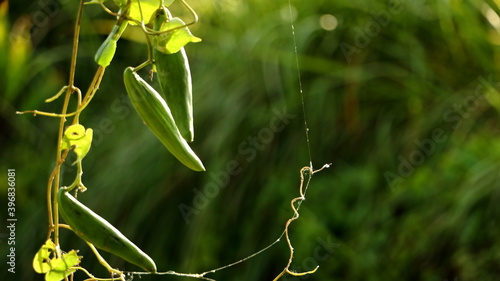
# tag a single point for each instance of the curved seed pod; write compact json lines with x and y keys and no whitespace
{"x":155,"y":112}
{"x":96,"y":230}
{"x":175,"y":81}
{"x":106,"y":52}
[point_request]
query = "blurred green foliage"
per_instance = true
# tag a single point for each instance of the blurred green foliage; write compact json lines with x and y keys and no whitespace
{"x":398,"y":90}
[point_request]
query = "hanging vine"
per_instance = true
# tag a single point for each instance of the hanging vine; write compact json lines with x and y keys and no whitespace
{"x":168,"y":113}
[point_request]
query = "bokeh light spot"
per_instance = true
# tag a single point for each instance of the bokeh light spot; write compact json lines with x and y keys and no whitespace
{"x":328,"y":22}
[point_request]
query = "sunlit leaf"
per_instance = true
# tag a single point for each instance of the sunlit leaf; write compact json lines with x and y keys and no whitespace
{"x":68,"y":260}
{"x":81,"y":139}
{"x":122,"y":3}
{"x":147,"y":7}
{"x":61,"y":267}
{"x":41,"y":262}
{"x":58,"y":275}
{"x":172,"y":42}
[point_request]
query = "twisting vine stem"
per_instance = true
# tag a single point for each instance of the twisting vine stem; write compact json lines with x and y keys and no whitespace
{"x":305,"y":177}
{"x":69,"y":91}
{"x":49,"y":190}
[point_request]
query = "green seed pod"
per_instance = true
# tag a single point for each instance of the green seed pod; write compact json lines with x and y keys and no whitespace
{"x":106,"y":52}
{"x":175,"y":81}
{"x":155,"y":112}
{"x":96,"y":230}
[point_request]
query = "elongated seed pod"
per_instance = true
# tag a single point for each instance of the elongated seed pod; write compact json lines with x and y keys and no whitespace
{"x":155,"y":112}
{"x":175,"y":81}
{"x":107,"y":50}
{"x":96,"y":230}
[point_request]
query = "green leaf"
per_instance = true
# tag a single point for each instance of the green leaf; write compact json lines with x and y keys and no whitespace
{"x":107,"y":50}
{"x":61,"y":267}
{"x":41,"y":262}
{"x":81,"y":139}
{"x":68,"y":260}
{"x":148,"y":8}
{"x":56,"y":268}
{"x":58,"y":275}
{"x":122,"y":3}
{"x":172,"y":42}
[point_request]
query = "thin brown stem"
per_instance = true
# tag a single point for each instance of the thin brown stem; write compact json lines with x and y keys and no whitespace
{"x":82,"y":104}
{"x":305,"y":177}
{"x":94,"y":86}
{"x":49,"y":193}
{"x":76,"y":38}
{"x":104,"y":263}
{"x":69,"y":91}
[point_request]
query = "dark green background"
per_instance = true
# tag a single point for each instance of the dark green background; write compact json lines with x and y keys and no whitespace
{"x":417,"y":99}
